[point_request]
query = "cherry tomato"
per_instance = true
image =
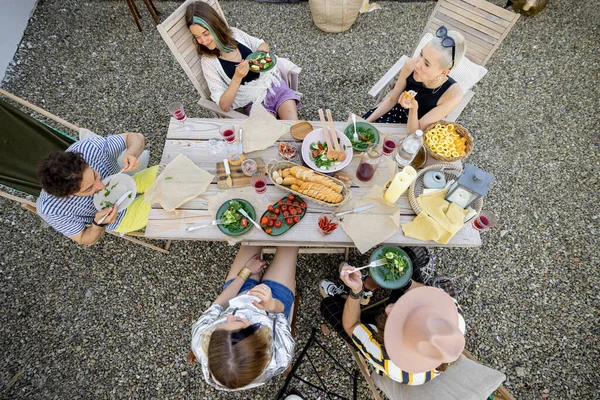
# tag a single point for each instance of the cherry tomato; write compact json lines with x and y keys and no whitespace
{"x":278,"y":224}
{"x":270,"y":208}
{"x":293,"y":211}
{"x":244,"y":222}
{"x":268,"y":231}
{"x":289,"y":220}
{"x":270,"y":223}
{"x":277,"y":211}
{"x":279,"y":203}
{"x":284,"y":207}
{"x":286,"y":214}
{"x":291,"y":197}
{"x":299,"y":210}
{"x":303,"y":205}
{"x":296,"y":218}
{"x":263,"y":225}
{"x":264,"y":220}
{"x":268,"y":59}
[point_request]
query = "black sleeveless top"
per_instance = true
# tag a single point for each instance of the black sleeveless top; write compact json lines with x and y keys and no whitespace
{"x":426,"y":97}
{"x":229,"y":66}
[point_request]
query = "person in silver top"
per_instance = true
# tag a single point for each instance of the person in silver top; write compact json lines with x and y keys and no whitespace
{"x":244,"y":339}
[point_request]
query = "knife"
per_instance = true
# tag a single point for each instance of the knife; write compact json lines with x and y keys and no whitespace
{"x":228,"y":172}
{"x":245,"y":214}
{"x":358,"y":209}
{"x":117,"y":204}
{"x":241,"y":143}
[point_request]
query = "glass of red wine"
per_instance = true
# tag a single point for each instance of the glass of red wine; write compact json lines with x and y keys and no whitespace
{"x":369,"y":161}
{"x":177,"y":111}
{"x":259,"y":183}
{"x":389,"y":144}
{"x":484,"y":220}
{"x":228,"y":133}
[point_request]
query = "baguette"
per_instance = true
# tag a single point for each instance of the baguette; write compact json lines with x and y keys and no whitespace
{"x":309,"y":175}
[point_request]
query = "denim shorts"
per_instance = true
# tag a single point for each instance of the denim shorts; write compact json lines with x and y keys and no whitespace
{"x":278,"y":291}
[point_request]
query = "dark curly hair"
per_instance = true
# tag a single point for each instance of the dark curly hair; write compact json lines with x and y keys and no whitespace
{"x":61,"y":173}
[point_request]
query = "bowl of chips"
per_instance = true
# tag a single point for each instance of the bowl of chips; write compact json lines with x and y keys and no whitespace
{"x":447,"y":141}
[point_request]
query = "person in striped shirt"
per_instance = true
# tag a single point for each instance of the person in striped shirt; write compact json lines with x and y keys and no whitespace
{"x":70,"y":179}
{"x":412,"y":341}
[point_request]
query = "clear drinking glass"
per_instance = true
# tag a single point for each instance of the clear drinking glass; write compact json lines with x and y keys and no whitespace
{"x":215,"y":146}
{"x":177,"y":111}
{"x":389,"y":144}
{"x":485,"y":220}
{"x":259,"y":183}
{"x":228,"y":132}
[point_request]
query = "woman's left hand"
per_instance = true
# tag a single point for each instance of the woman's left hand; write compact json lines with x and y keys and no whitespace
{"x":263,"y":292}
{"x":255,"y":264}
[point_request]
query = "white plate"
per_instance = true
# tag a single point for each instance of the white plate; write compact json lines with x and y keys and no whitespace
{"x":120,"y":184}
{"x":318,"y":136}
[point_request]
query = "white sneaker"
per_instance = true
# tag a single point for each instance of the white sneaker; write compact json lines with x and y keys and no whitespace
{"x":329,"y":289}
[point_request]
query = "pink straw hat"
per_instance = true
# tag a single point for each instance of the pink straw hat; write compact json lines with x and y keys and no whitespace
{"x":422,"y":330}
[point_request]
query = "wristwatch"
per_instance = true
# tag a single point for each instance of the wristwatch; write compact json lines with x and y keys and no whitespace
{"x":358,"y":295}
{"x":244,"y":273}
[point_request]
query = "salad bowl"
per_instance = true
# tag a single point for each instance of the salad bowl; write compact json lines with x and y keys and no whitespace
{"x":320,"y":163}
{"x":231,"y":220}
{"x":381,"y":274}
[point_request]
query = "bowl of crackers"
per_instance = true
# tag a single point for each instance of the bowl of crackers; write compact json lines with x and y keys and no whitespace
{"x":447,"y":141}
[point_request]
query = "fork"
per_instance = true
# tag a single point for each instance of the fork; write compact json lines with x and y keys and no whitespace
{"x":372,"y":264}
{"x":355,"y":137}
{"x":213,"y":223}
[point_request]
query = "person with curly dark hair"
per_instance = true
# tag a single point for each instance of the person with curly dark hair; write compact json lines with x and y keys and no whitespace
{"x":70,"y":179}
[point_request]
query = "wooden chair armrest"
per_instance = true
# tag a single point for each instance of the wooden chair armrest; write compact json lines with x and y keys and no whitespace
{"x":214,"y":107}
{"x":385,"y":79}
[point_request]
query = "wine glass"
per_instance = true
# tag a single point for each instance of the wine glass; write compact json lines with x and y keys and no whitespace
{"x":176,"y":110}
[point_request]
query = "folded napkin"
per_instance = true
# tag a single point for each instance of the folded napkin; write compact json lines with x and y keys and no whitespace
{"x":371,"y":227}
{"x":179,"y":182}
{"x":260,"y":204}
{"x":439,"y":219}
{"x":261,"y":129}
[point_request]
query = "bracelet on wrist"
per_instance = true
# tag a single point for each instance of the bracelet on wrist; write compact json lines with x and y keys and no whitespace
{"x":244,"y":273}
{"x":100,"y":225}
{"x":358,"y":295}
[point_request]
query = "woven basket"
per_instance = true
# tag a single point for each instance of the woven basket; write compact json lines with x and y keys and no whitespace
{"x":462,"y":131}
{"x":451,"y":172}
{"x":287,"y":164}
{"x":334,"y":15}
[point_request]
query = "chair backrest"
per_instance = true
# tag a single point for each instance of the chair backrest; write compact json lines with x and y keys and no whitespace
{"x":180,"y":40}
{"x":484,"y":25}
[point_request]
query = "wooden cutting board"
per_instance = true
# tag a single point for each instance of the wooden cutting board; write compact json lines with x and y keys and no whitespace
{"x":237,"y":176}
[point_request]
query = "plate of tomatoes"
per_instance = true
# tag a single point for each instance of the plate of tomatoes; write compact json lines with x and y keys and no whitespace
{"x":261,"y":61}
{"x":282,"y":215}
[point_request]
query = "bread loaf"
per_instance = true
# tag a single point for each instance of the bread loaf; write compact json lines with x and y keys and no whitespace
{"x":308,"y":175}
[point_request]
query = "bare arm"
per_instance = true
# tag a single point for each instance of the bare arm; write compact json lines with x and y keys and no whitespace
{"x":135,"y":143}
{"x":264,"y":47}
{"x":91,"y":234}
{"x":228,"y":97}
{"x":392,"y":99}
{"x":351,"y":314}
{"x":230,"y":292}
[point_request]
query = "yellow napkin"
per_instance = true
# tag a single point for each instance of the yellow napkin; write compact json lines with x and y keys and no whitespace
{"x":261,"y":129}
{"x":439,"y":219}
{"x":179,"y":182}
{"x":371,"y":227}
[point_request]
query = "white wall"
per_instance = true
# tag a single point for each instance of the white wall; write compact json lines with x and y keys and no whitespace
{"x":14,"y":15}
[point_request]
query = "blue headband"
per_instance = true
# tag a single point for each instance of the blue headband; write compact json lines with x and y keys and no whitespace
{"x":220,"y":46}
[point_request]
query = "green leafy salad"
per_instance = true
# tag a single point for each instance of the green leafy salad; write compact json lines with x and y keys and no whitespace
{"x":396,"y":266}
{"x":318,"y":155}
{"x":233,"y":219}
{"x":366,"y":137}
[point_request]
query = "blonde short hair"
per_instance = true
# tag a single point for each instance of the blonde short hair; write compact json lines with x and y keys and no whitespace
{"x":446,"y":52}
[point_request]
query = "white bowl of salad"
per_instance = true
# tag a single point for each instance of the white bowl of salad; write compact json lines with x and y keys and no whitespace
{"x":314,"y":152}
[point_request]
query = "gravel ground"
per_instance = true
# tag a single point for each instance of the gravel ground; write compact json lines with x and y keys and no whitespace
{"x":114,"y":320}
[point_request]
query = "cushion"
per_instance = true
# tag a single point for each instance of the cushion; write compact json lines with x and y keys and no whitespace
{"x":463,"y":380}
{"x":466,"y":73}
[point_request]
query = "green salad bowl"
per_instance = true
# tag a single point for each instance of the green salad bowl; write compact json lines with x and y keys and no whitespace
{"x":361,"y":129}
{"x":377,"y":273}
{"x":226,"y":229}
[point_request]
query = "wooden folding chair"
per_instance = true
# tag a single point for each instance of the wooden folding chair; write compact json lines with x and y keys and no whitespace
{"x":499,"y":394}
{"x":182,"y":44}
{"x":30,"y":206}
{"x":484,"y":26}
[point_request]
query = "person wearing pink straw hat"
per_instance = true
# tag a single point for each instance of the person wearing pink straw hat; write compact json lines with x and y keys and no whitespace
{"x":413,"y":340}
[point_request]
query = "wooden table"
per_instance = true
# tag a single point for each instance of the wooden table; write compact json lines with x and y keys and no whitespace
{"x":193,"y":144}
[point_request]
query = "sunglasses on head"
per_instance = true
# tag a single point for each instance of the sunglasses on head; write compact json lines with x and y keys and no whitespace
{"x":242,"y":334}
{"x":447,"y":41}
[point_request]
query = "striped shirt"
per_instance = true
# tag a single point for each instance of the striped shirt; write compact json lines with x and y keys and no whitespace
{"x":364,"y":336}
{"x":70,"y":215}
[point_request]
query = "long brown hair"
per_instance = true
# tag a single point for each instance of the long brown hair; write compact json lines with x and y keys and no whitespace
{"x":237,"y":365}
{"x":380,"y":323}
{"x":219,"y":27}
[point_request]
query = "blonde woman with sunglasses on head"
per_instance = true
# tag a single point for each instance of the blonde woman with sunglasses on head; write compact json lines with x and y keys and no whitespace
{"x":424,"y":93}
{"x":244,"y":339}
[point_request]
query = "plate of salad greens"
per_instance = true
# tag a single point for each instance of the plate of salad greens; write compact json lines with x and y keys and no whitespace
{"x":261,"y":61}
{"x":367,"y":135}
{"x":396,"y":272}
{"x":117,"y":185}
{"x":233,"y":223}
{"x":314,"y":152}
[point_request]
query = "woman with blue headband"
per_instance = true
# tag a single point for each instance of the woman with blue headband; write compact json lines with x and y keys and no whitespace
{"x":424,"y":92}
{"x":232,"y":84}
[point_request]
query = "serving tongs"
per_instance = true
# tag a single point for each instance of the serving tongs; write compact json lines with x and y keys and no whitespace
{"x":331,"y":154}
